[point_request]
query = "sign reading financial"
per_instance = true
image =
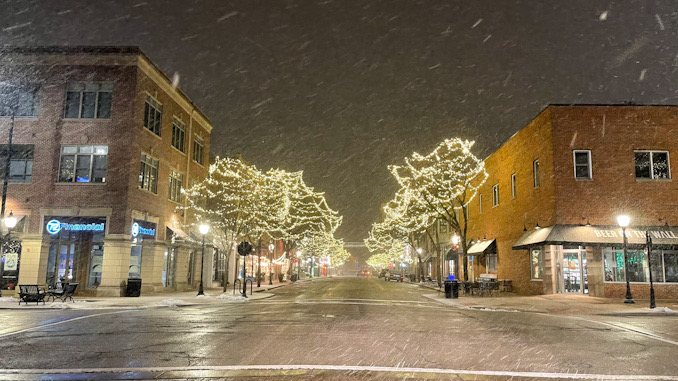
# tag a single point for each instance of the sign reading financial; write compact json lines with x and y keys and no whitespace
{"x":54,"y":226}
{"x":138,"y":229}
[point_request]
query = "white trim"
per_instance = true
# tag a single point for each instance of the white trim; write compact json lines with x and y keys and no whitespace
{"x":513,"y":185}
{"x":650,"y":151}
{"x":495,"y":195}
{"x":574,"y":163}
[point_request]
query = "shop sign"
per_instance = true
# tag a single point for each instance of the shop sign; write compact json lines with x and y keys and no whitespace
{"x":138,"y":229}
{"x":11,"y":261}
{"x":631,"y":233}
{"x":55,"y":226}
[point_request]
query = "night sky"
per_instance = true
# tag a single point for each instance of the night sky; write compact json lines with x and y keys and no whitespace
{"x":341,"y":89}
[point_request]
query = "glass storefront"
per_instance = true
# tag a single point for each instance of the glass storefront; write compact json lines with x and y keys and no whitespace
{"x":574,"y":271}
{"x":9,"y":265}
{"x":664,"y":265}
{"x":76,"y":250}
{"x":142,"y":231}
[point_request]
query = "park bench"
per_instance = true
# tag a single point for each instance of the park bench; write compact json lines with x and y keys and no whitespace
{"x":31,"y":293}
{"x":66,"y":292}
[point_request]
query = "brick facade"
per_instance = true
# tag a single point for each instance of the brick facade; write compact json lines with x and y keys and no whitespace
{"x":119,"y":199}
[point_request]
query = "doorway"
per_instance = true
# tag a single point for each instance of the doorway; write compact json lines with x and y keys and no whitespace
{"x":574,"y":278}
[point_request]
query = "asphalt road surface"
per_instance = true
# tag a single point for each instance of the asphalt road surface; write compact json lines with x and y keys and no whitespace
{"x":334,"y":328}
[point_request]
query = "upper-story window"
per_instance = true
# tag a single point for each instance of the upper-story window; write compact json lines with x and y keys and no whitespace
{"x":480,"y":203}
{"x":148,"y":174}
{"x":198,"y":150}
{"x":175,"y":183}
{"x":20,"y":164}
{"x":582,"y":164}
{"x":535,"y":173}
{"x":179,"y":135}
{"x":18,"y":100}
{"x":83,"y":164}
{"x":513,"y":185}
{"x":443,"y":226}
{"x":153,"y":115}
{"x":495,"y":194}
{"x":652,"y":165}
{"x":88,"y":100}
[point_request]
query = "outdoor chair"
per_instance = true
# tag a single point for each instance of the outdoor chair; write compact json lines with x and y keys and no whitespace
{"x":31,"y":293}
{"x":68,"y":291}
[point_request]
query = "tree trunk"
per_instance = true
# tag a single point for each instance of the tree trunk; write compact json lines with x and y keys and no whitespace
{"x":224,"y":276}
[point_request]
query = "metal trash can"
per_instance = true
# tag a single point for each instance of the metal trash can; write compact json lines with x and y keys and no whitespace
{"x":451,"y":289}
{"x":133,"y":287}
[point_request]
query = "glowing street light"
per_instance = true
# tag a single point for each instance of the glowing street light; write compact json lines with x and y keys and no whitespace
{"x":10,"y":221}
{"x":623,"y":222}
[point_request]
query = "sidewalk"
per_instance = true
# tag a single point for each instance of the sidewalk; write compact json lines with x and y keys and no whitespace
{"x":213,"y":296}
{"x":557,"y":304}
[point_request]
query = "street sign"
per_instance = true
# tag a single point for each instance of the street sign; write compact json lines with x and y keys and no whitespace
{"x":244,"y":248}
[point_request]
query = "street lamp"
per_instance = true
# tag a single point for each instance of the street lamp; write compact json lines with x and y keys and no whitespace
{"x":204,"y":229}
{"x":298,"y":264}
{"x":271,"y":247}
{"x":10,"y":221}
{"x":623,"y":222}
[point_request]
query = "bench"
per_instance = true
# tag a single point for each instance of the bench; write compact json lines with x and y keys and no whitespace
{"x":65,"y":293}
{"x":31,"y":293}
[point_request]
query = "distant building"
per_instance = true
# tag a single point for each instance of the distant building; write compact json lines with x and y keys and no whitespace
{"x":546,"y":217}
{"x":102,"y":145}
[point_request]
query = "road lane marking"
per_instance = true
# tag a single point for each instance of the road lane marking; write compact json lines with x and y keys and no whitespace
{"x":351,"y":368}
{"x":39,"y":327}
{"x":376,"y":300}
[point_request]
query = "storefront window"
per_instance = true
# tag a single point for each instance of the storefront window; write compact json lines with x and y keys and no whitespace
{"x":491,"y":262}
{"x":670,"y":266}
{"x":536,"y":263}
{"x":9,"y":265}
{"x":613,"y":262}
{"x":135,"y":262}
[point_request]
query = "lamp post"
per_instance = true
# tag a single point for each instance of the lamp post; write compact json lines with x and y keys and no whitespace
{"x":420,"y":269}
{"x":648,"y":239}
{"x":204,"y":229}
{"x":298,"y":264}
{"x":259,"y":265}
{"x":271,"y":248}
{"x":455,"y":246}
{"x":623,"y":222}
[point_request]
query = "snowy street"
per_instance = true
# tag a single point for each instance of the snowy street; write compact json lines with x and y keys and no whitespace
{"x":338,"y":328}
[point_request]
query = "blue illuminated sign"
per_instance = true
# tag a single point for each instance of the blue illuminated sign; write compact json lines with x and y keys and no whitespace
{"x":138,"y":229}
{"x":55,"y":226}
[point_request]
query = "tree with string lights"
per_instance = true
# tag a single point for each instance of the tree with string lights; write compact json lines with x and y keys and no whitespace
{"x":440,"y":186}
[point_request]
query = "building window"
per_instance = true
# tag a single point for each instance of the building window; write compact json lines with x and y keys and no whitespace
{"x":153,"y":115}
{"x":513,"y":185}
{"x":536,"y":263}
{"x":148,"y":174}
{"x":652,"y":165}
{"x":198,"y":150}
{"x":20,"y":164}
{"x":88,"y":101}
{"x":443,"y":226}
{"x":175,"y":183}
{"x":179,"y":135}
{"x":670,"y":266}
{"x":664,"y":265}
{"x":19,"y":100}
{"x":495,"y":194}
{"x":535,"y":173}
{"x":480,"y":203}
{"x":83,"y":164}
{"x":582,"y":164}
{"x":491,"y":262}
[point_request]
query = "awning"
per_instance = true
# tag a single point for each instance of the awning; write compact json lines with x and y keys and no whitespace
{"x":177,"y":232}
{"x":451,"y":255}
{"x":596,"y":236}
{"x":483,"y":247}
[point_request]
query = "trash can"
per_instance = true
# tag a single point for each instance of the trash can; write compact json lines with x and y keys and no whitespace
{"x":133,"y":287}
{"x":451,"y":289}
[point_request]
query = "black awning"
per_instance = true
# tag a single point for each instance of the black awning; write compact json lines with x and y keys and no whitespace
{"x":596,"y":236}
{"x":483,"y":247}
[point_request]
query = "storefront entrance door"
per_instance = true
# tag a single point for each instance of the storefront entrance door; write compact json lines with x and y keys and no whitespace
{"x":574,"y":277}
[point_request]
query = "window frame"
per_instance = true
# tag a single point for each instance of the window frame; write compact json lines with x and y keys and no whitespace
{"x":197,"y":140}
{"x":513,"y":185}
{"x":536,"y":173}
{"x":20,"y":153}
{"x":495,"y":195}
{"x":96,"y":92}
{"x":651,"y":152}
{"x":540,"y":263}
{"x":177,"y":124}
{"x":589,"y":163}
{"x":152,"y":103}
{"x":149,"y":186}
{"x":78,"y":154}
{"x":22,"y":89}
{"x":175,"y":175}
{"x":495,"y":262}
{"x":480,"y":203}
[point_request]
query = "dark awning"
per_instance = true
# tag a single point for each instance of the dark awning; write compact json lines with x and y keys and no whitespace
{"x":483,"y":247}
{"x":596,"y":235}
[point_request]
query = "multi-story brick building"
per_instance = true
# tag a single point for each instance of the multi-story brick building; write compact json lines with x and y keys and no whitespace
{"x":546,"y":217}
{"x":103,"y":142}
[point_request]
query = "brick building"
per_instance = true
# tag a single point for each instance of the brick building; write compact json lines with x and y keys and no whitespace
{"x":102,"y":145}
{"x":546,"y":217}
